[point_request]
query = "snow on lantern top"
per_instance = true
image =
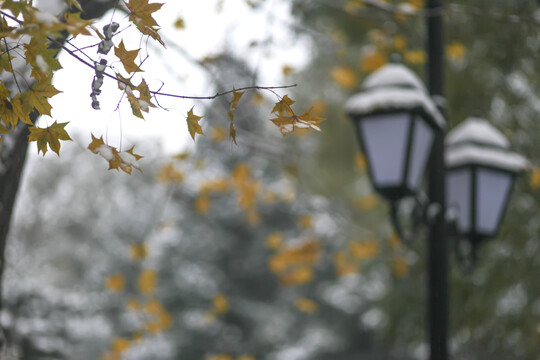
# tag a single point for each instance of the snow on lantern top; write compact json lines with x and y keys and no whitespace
{"x":476,"y":142}
{"x":393,"y":87}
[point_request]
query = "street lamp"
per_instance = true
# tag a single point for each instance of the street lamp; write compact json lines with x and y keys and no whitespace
{"x":480,"y":174}
{"x":396,"y":122}
{"x":400,"y":128}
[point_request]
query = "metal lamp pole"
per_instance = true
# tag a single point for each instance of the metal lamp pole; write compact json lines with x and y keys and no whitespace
{"x":438,"y":309}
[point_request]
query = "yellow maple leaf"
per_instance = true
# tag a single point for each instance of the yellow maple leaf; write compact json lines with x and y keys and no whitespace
{"x":287,"y":124}
{"x":147,"y":281}
{"x":36,"y":97}
{"x":141,"y":15}
{"x":115,"y":282}
{"x":74,"y":4}
{"x":127,"y":57}
{"x":283,"y":106}
{"x":12,"y":111}
{"x":237,"y":95}
{"x":50,"y":135}
{"x":344,"y":76}
{"x":193,"y":124}
{"x":75,"y":25}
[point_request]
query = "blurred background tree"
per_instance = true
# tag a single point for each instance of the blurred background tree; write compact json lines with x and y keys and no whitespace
{"x":277,"y":248}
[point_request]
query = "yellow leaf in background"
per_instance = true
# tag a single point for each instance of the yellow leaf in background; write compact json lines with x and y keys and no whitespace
{"x":366,"y":203}
{"x":360,"y":161}
{"x":305,"y":221}
{"x":344,"y":265}
{"x":287,"y":70}
{"x":246,"y":357}
{"x":399,"y":42}
{"x":50,"y":135}
{"x":153,"y":307}
{"x":209,"y":317}
{"x":253,"y":217}
{"x":455,"y":51}
{"x":297,"y":276}
{"x":344,"y":76}
{"x":147,"y":281}
{"x":305,"y":305}
{"x":138,"y":251}
{"x":372,"y":61}
{"x":202,"y":204}
{"x":399,"y":265}
{"x":241,"y":174}
{"x":394,"y":240}
{"x":120,"y":345}
{"x":36,"y":97}
{"x":416,"y":4}
{"x":274,"y":240}
{"x":221,"y":305}
{"x":352,"y":6}
{"x":193,"y":124}
{"x":127,"y":57}
{"x":415,"y":57}
{"x":115,"y":282}
{"x":169,"y":174}
{"x":220,"y":357}
{"x":269,"y":197}
{"x":133,"y":304}
{"x":318,"y":107}
{"x":258,"y":99}
{"x":179,"y":24}
{"x":535,"y":178}
{"x":218,"y":134}
{"x":363,"y":250}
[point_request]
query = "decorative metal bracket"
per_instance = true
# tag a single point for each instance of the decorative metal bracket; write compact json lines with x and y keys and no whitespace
{"x":425,"y":213}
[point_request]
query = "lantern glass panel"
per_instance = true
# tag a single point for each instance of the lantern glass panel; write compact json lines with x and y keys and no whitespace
{"x":421,"y":147}
{"x":492,"y":190}
{"x":385,"y":141}
{"x":458,"y":187}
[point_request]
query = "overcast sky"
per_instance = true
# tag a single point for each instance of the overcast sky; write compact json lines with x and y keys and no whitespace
{"x":207,"y":31}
